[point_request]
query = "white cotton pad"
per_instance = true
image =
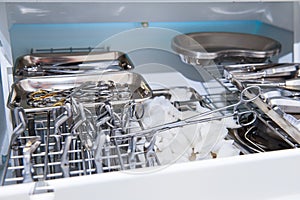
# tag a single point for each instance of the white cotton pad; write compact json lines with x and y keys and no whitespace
{"x":180,"y":94}
{"x":211,"y":134}
{"x":190,"y":142}
{"x":159,"y":111}
{"x":227,"y":149}
{"x":165,"y":156}
{"x":230,"y":123}
{"x":180,"y":144}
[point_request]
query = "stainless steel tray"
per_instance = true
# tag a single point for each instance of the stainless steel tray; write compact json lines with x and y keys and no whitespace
{"x":126,"y":87}
{"x":206,"y":47}
{"x":187,"y":99}
{"x":47,"y":64}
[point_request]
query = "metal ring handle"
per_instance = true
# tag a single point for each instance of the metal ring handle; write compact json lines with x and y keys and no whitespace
{"x":248,"y":89}
{"x":240,"y":116}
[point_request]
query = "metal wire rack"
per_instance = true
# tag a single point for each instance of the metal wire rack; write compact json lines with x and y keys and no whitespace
{"x":48,"y":148}
{"x":76,"y":139}
{"x":58,"y":143}
{"x":73,"y":139}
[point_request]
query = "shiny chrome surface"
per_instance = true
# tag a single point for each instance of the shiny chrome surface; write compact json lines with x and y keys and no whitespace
{"x":23,"y":89}
{"x":253,"y":72}
{"x":287,"y":105}
{"x":74,"y":140}
{"x":287,"y":100}
{"x":45,"y":64}
{"x":203,"y":48}
{"x":271,"y":103}
{"x":289,"y":84}
{"x":80,"y":140}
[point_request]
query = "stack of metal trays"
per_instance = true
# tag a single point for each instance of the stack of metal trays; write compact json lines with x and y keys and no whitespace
{"x":87,"y":98}
{"x":277,"y":115}
{"x":280,"y":85}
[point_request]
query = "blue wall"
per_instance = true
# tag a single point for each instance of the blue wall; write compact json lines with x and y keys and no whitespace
{"x":27,"y":36}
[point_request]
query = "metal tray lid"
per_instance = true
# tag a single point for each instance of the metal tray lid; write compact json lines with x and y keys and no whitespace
{"x":203,"y":47}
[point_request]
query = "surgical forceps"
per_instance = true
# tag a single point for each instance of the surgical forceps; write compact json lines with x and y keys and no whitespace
{"x":188,"y":121}
{"x":236,"y":113}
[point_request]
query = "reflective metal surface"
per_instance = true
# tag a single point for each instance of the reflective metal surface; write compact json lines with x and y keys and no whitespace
{"x":286,"y":71}
{"x":271,"y":103}
{"x":270,"y":117}
{"x":118,"y":87}
{"x":202,"y":48}
{"x":45,"y":64}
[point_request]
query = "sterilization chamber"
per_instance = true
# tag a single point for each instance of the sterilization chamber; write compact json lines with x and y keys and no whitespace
{"x":149,"y":99}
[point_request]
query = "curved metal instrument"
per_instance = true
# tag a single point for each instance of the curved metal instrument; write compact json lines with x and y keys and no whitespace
{"x":206,"y":116}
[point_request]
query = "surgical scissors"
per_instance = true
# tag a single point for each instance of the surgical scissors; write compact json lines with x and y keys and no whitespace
{"x":43,"y":97}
